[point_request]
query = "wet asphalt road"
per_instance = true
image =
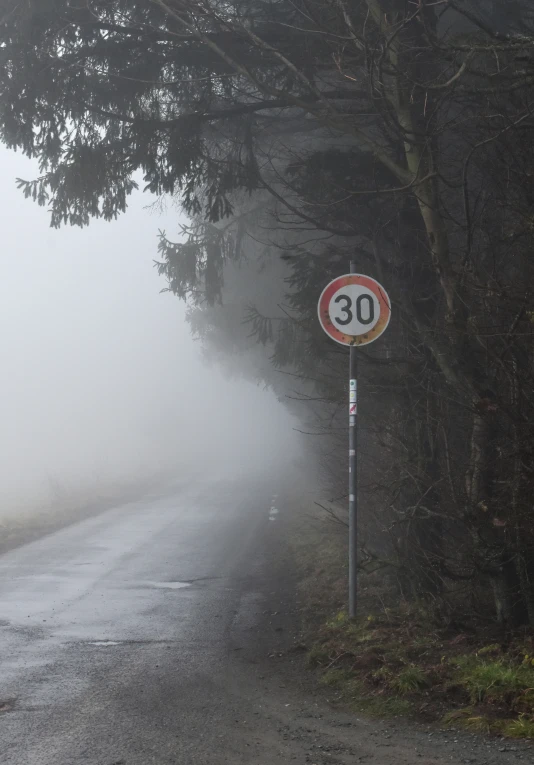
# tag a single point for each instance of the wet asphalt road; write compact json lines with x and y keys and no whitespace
{"x":115,"y":633}
{"x":161,"y":633}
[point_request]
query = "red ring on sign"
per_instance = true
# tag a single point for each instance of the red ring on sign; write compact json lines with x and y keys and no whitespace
{"x":364,"y":281}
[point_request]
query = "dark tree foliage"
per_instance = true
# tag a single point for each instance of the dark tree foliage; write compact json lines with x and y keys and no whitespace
{"x":99,"y":91}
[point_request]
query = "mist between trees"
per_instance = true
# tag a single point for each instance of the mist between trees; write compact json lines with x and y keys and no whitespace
{"x":297,"y":135}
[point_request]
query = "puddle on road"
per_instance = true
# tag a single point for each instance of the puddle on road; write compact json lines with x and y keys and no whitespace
{"x":171,"y":585}
{"x":167,"y":585}
{"x":114,"y":643}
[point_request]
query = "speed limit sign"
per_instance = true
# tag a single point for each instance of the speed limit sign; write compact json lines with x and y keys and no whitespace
{"x":354,"y":309}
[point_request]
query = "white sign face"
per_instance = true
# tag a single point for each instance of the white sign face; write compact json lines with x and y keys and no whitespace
{"x":354,"y":309}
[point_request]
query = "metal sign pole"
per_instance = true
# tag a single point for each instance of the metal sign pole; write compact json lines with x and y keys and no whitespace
{"x":354,"y":310}
{"x":353,"y":478}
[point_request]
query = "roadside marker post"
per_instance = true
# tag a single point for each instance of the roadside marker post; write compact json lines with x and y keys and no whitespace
{"x":354,"y":310}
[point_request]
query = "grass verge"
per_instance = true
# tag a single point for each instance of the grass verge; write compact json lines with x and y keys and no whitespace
{"x":398,"y":661}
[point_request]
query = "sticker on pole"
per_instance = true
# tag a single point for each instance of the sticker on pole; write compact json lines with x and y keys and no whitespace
{"x":354,"y":309}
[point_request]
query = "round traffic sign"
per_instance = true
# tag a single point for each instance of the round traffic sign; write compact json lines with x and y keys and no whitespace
{"x":354,"y":309}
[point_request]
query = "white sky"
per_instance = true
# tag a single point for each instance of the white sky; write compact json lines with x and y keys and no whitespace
{"x":100,"y":379}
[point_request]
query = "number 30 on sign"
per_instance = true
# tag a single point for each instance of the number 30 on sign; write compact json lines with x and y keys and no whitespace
{"x":354,"y":309}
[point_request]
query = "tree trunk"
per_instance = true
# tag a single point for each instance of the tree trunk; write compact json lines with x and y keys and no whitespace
{"x":525,"y":566}
{"x":510,"y":605}
{"x":489,"y":536}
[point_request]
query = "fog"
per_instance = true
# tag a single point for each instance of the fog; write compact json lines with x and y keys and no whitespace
{"x":102,"y":385}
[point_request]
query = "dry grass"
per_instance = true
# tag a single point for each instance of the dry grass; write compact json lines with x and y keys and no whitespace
{"x":70,"y":507}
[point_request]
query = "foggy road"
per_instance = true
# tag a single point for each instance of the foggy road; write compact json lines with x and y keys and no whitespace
{"x":114,"y":632}
{"x":151,"y":634}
